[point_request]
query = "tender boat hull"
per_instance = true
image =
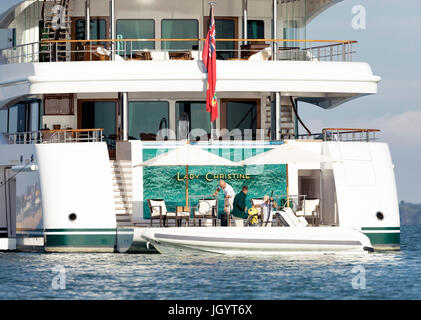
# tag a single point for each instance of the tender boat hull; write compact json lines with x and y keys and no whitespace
{"x":256,"y":241}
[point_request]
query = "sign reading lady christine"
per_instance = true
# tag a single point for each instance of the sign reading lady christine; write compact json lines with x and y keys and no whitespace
{"x":211,"y":176}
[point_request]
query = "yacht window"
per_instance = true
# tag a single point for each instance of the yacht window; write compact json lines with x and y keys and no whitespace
{"x":242,"y":115}
{"x":98,"y":29}
{"x":3,"y":121}
{"x":101,"y":115}
{"x":135,"y":29}
{"x":17,"y":118}
{"x":180,"y":29}
{"x":34,"y":120}
{"x":146,"y":118}
{"x":198,"y":116}
{"x":255,"y":29}
{"x":225,"y":29}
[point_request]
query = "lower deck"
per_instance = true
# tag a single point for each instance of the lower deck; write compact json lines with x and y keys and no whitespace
{"x":73,"y":195}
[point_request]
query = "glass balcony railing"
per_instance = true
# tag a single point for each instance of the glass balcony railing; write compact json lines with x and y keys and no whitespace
{"x":56,"y":136}
{"x":128,"y":49}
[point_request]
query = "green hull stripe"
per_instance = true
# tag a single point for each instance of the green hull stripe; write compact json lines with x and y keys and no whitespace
{"x":380,"y":228}
{"x":80,"y":230}
{"x":384,"y":238}
{"x":80,"y":240}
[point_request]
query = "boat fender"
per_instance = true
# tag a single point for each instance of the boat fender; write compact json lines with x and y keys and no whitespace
{"x":368,"y":249}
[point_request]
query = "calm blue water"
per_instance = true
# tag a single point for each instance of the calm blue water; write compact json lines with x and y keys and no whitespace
{"x":124,"y":276}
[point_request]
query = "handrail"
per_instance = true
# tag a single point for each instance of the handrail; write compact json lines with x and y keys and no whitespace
{"x":200,"y":39}
{"x":56,"y":136}
{"x":71,"y":130}
{"x":348,"y":129}
{"x":342,"y":134}
{"x":86,"y":50}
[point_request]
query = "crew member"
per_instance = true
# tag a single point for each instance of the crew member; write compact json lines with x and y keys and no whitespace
{"x":228,"y":199}
{"x":240,"y":209}
{"x":268,"y":206}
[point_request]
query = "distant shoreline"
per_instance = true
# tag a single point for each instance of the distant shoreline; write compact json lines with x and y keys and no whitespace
{"x":410,"y":213}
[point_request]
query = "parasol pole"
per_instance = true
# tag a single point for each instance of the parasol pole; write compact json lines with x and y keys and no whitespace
{"x":187,"y":187}
{"x":187,"y":182}
{"x":287,"y":180}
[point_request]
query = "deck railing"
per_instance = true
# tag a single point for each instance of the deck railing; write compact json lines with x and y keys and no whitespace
{"x":343,"y":135}
{"x":56,"y":136}
{"x":159,"y":49}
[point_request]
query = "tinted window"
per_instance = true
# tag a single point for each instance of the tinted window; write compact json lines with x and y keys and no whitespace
{"x":197,"y":114}
{"x":180,"y":29}
{"x":3,"y":120}
{"x":135,"y":29}
{"x":255,"y":29}
{"x":146,"y":118}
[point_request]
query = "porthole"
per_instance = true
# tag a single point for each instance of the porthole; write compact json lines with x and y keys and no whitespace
{"x":72,"y":217}
{"x":380,"y":215}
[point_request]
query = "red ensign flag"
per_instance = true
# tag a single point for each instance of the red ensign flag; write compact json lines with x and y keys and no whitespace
{"x":209,"y":59}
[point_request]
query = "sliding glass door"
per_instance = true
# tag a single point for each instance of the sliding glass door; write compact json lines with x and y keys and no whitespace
{"x":100,"y":115}
{"x":243,"y":115}
{"x":225,"y":28}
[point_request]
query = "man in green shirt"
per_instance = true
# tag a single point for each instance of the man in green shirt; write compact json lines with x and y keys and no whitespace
{"x":239,"y":212}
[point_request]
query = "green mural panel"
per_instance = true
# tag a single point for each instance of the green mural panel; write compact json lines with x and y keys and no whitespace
{"x":168,"y":183}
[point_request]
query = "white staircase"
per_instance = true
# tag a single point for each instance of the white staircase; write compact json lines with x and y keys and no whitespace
{"x":48,"y":32}
{"x":287,"y":122}
{"x":122,"y":186}
{"x":287,"y":119}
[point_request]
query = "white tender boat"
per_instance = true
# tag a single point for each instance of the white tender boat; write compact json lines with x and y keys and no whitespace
{"x":257,"y":240}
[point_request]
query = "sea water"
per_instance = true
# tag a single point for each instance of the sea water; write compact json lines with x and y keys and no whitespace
{"x":381,"y":275}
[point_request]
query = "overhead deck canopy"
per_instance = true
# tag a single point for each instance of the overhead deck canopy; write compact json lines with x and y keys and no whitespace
{"x":326,"y":84}
{"x":312,"y":7}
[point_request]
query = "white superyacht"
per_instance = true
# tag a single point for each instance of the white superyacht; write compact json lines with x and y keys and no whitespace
{"x":91,"y":89}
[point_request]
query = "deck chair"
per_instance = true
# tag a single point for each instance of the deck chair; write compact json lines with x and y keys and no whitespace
{"x":288,"y":217}
{"x":310,"y":209}
{"x":206,"y":209}
{"x":159,"y":211}
{"x":262,"y":55}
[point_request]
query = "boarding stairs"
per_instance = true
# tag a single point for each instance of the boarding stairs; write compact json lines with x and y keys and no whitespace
{"x":121,"y":172}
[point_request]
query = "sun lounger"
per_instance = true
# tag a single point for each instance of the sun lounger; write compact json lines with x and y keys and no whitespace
{"x":289,"y":217}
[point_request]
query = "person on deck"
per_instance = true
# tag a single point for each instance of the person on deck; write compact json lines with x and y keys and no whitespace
{"x":239,"y":213}
{"x":229,"y":197}
{"x":268,"y":206}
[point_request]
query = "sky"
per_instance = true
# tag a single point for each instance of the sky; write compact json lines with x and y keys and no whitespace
{"x":391,"y":44}
{"x":5,"y":4}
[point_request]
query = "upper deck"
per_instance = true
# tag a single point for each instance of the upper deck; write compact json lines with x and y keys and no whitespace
{"x":156,"y":46}
{"x":151,"y":50}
